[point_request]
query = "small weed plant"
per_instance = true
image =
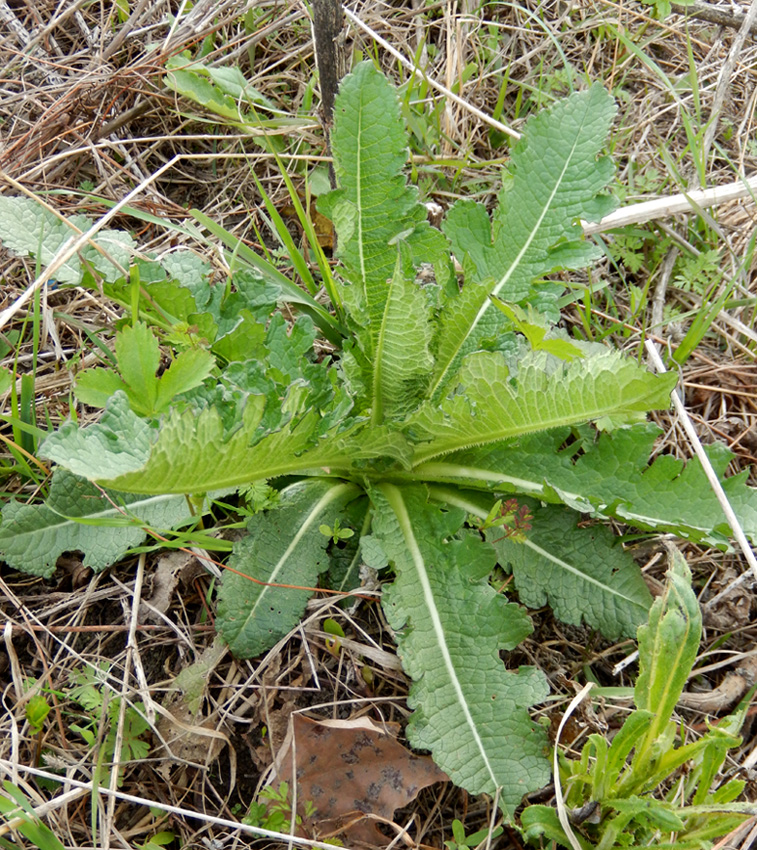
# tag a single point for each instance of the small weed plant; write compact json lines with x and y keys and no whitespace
{"x":625,"y":794}
{"x":445,"y":431}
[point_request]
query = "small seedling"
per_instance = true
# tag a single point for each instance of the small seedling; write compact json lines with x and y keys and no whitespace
{"x":36,"y":712}
{"x":512,"y":518}
{"x":275,"y":814}
{"x":88,"y":691}
{"x":157,"y":841}
{"x":336,"y":533}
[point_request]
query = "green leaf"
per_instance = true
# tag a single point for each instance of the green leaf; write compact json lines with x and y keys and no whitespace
{"x":138,"y":356}
{"x":27,"y":229}
{"x":188,"y":370}
{"x":95,"y":387}
{"x":32,"y":537}
{"x":656,"y":813}
{"x":580,"y":572}
{"x":629,"y":736}
{"x":198,"y":453}
{"x":535,"y":329}
{"x":133,"y":749}
{"x":667,"y":495}
{"x":469,"y":711}
{"x":494,"y":403}
{"x":29,"y":825}
{"x":194,"y":455}
{"x":36,"y":711}
{"x":284,"y":546}
{"x":6,"y":379}
{"x":557,"y":178}
{"x":668,"y":645}
{"x":610,"y":476}
{"x":373,"y":207}
{"x":221,"y":90}
{"x":540,"y":821}
{"x":402,"y":362}
{"x":289,"y":291}
{"x":190,"y":270}
{"x":119,"y":443}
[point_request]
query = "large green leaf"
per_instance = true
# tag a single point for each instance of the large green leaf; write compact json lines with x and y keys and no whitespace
{"x":493,"y":404}
{"x":194,"y":455}
{"x":610,"y":477}
{"x":469,"y":711}
{"x":556,"y":179}
{"x":583,"y":573}
{"x":77,"y":516}
{"x":283,"y":546}
{"x":373,"y":208}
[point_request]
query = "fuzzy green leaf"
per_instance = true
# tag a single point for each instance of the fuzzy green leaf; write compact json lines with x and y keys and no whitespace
{"x":373,"y":207}
{"x":494,"y":404}
{"x":32,"y":537}
{"x":470,"y":712}
{"x":557,"y":178}
{"x":283,"y":546}
{"x":580,"y":572}
{"x":119,"y":443}
{"x":193,"y":454}
{"x":540,"y":821}
{"x":27,"y":229}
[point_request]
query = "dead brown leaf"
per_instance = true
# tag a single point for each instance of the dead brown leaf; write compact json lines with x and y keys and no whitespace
{"x":350,"y":769}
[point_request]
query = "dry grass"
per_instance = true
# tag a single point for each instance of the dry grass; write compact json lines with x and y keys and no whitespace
{"x":86,"y":118}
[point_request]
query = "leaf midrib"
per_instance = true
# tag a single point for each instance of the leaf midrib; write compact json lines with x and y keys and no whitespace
{"x":331,"y":495}
{"x":585,"y":415}
{"x":394,"y":497}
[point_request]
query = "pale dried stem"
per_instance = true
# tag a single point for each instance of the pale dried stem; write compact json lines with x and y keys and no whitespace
{"x":562,"y":812}
{"x":685,"y":202}
{"x":724,"y":79}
